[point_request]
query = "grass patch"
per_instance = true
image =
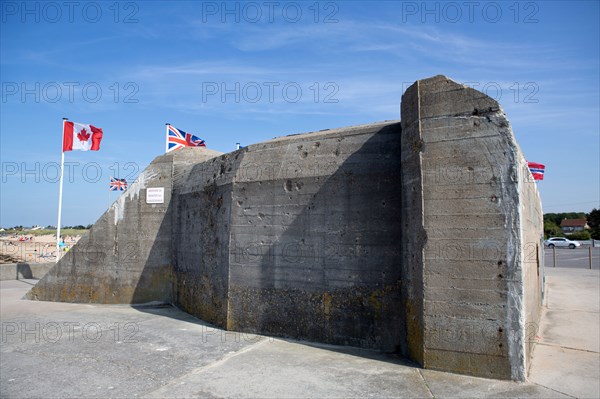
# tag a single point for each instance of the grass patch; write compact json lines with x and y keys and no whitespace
{"x":45,"y":232}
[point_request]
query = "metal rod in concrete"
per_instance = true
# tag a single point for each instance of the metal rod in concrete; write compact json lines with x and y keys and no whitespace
{"x":590,"y":252}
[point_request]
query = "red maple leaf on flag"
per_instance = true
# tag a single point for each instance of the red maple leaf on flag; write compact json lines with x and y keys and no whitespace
{"x":83,"y":135}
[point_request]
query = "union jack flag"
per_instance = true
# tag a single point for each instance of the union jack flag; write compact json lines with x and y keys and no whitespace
{"x":177,"y":139}
{"x":117,"y":184}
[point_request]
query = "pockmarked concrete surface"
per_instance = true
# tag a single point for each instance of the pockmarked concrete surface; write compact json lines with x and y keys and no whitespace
{"x":81,"y":350}
{"x":567,"y":355}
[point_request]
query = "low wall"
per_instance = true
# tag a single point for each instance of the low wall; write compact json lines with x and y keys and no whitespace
{"x":19,"y":271}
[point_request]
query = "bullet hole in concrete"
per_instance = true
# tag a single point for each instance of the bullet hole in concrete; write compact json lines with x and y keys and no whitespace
{"x":304,"y":154}
{"x":337,"y":152}
{"x":500,"y":330}
{"x":499,"y":263}
{"x":493,"y":198}
{"x":382,"y":203}
{"x":287,"y":186}
{"x":500,"y":276}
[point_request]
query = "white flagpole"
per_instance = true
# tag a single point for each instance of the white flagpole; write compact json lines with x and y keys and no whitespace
{"x":167,"y":138}
{"x":60,"y":190}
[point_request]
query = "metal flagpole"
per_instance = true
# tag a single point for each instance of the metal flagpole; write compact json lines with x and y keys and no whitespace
{"x":60,"y":190}
{"x":167,"y":138}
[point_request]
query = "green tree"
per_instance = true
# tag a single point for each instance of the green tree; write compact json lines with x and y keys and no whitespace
{"x":593,"y":220}
{"x":551,"y":229}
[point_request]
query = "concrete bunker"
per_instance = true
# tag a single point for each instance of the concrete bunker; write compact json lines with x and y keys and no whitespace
{"x":419,"y":236}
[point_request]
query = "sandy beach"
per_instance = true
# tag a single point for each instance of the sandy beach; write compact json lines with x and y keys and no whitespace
{"x":30,"y":248}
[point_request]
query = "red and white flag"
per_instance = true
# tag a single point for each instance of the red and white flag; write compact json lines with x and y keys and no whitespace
{"x":79,"y":136}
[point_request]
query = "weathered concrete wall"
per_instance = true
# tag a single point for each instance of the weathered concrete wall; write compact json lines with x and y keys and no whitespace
{"x":201,"y":237}
{"x":471,"y":219}
{"x":276,"y":238}
{"x":127,"y":255}
{"x":315,"y":238}
{"x":532,"y":254}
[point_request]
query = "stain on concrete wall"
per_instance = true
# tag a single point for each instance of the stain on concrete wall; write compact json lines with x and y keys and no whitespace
{"x":315,"y":243}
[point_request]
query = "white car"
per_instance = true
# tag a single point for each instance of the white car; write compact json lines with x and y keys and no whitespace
{"x":561,"y":242}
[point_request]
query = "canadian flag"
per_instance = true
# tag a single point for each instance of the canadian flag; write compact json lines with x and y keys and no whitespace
{"x":79,"y":136}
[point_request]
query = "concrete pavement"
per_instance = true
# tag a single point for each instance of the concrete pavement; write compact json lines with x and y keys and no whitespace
{"x":567,"y":356}
{"x":78,"y":350}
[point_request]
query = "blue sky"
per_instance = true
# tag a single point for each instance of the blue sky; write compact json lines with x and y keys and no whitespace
{"x":250,"y":71}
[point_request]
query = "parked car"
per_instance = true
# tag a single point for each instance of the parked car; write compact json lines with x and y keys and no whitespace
{"x":561,"y":242}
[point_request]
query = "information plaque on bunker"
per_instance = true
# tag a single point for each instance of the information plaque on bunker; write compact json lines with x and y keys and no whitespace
{"x":155,"y":195}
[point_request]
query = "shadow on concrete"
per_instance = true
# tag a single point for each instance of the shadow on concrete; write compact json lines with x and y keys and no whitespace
{"x":24,"y":270}
{"x":372,"y":354}
{"x":155,"y":279}
{"x":172,"y":312}
{"x":333,"y":274}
